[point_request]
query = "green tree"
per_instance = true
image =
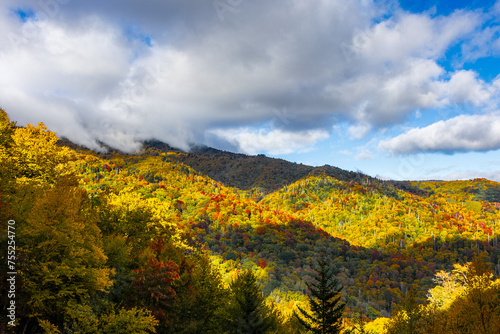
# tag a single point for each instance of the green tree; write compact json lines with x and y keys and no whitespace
{"x":201,"y":297}
{"x":324,"y":302}
{"x":247,"y":311}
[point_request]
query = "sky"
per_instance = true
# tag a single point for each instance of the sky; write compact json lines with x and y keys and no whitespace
{"x":398,"y":90}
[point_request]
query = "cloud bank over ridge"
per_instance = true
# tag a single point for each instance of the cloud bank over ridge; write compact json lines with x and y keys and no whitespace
{"x":253,"y":75}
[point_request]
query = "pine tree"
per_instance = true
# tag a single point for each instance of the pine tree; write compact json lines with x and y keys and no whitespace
{"x":248,"y":311}
{"x":325,"y":304}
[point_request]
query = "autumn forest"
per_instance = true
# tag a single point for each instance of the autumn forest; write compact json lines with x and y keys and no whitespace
{"x":164,"y":241}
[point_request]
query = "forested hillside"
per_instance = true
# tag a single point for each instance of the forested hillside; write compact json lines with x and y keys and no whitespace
{"x":259,"y":172}
{"x":163,"y":241}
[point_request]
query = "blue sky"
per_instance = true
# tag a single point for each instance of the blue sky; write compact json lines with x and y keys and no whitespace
{"x":400,"y":90}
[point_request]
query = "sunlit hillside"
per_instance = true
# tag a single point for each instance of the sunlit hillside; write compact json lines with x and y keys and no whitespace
{"x":149,"y":242}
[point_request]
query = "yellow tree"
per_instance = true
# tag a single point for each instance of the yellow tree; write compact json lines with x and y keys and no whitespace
{"x":63,"y":262}
{"x":476,"y":308}
{"x":6,"y":167}
{"x":35,"y":154}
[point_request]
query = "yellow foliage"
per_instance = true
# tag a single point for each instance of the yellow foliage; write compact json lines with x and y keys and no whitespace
{"x":466,"y":301}
{"x":35,"y":154}
{"x":134,"y":321}
{"x":377,"y":326}
{"x":48,"y":327}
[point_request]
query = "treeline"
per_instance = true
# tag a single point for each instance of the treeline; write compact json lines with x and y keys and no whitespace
{"x":247,"y":172}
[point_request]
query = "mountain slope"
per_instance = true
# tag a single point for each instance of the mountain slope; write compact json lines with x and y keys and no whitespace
{"x":267,"y":174}
{"x":246,"y":172}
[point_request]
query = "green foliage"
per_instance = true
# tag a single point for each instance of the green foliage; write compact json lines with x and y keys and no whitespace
{"x":324,"y":302}
{"x":491,"y":194}
{"x":7,"y":128}
{"x":247,"y":310}
{"x":7,"y":172}
{"x":405,"y":321}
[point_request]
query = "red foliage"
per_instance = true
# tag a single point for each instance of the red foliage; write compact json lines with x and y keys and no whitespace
{"x":153,"y":284}
{"x":158,"y":246}
{"x":260,"y":230}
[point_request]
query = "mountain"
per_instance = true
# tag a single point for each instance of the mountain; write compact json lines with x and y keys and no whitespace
{"x":267,"y":174}
{"x":152,"y":220}
{"x":247,"y":172}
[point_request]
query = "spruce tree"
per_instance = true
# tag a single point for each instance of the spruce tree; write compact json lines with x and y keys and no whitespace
{"x":326,"y":307}
{"x":248,"y":311}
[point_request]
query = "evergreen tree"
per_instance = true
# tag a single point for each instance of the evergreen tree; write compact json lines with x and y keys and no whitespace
{"x":248,"y":311}
{"x":325,"y":304}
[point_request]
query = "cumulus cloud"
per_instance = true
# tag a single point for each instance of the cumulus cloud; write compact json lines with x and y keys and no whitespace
{"x":124,"y":71}
{"x":464,"y":87}
{"x":407,"y":35}
{"x":459,"y":134}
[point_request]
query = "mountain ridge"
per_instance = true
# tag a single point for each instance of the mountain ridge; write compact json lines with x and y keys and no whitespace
{"x":247,"y":172}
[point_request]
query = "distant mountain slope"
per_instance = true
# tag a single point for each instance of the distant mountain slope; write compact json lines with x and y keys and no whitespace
{"x":258,"y":171}
{"x":246,"y":172}
{"x":375,"y":215}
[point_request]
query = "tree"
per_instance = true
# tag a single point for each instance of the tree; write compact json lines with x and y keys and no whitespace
{"x":324,"y":302}
{"x":35,"y":154}
{"x":153,"y":284}
{"x":199,"y":307}
{"x":475,"y":309}
{"x":466,"y":301}
{"x":247,"y":311}
{"x":7,"y":175}
{"x":61,"y":255}
{"x":407,"y":319}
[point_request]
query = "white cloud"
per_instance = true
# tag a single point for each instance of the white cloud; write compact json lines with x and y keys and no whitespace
{"x":496,"y":8}
{"x":414,"y":36}
{"x":272,"y":141}
{"x":359,"y":130}
{"x":364,"y":155}
{"x":464,"y":87}
{"x":86,"y":77}
{"x":459,"y":134}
